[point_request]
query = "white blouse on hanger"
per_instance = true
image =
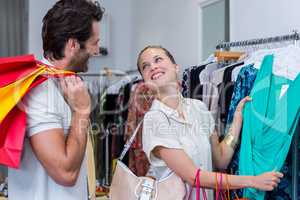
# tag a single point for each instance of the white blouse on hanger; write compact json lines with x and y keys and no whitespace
{"x":286,"y":61}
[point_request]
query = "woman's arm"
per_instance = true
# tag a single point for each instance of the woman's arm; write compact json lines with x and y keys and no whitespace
{"x":178,"y":161}
{"x":222,"y":152}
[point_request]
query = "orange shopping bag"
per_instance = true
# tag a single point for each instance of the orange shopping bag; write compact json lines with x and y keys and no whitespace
{"x":221,"y":194}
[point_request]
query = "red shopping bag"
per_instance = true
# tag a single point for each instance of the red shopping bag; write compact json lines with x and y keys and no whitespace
{"x":18,"y":75}
{"x":14,"y":68}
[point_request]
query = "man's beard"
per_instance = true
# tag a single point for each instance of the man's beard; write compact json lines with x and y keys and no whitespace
{"x":79,"y":63}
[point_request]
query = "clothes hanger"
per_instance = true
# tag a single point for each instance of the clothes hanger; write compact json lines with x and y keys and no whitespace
{"x":228,"y":55}
{"x":108,"y":72}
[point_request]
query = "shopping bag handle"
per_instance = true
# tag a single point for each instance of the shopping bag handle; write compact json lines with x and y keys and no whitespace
{"x":197,"y":183}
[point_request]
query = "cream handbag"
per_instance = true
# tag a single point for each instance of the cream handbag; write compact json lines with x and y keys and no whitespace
{"x":127,"y":186}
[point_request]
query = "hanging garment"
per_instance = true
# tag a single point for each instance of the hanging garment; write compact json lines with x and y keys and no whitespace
{"x":128,"y":79}
{"x":242,"y":88}
{"x":126,"y":97}
{"x":286,"y":63}
{"x":118,"y":135}
{"x":285,"y":56}
{"x":185,"y":83}
{"x":122,"y":106}
{"x":220,"y":92}
{"x":196,"y":88}
{"x":225,"y":94}
{"x":91,"y":170}
{"x":205,"y":80}
{"x":244,"y":84}
{"x":270,"y":121}
{"x":140,"y":102}
{"x":191,"y":86}
{"x":120,"y":119}
{"x":97,"y":127}
{"x":110,"y":112}
{"x":216,"y":87}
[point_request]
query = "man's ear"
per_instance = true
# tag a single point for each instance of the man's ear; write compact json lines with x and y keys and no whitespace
{"x":72,"y":46}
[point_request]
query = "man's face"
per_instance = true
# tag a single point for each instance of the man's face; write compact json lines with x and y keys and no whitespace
{"x":79,"y":62}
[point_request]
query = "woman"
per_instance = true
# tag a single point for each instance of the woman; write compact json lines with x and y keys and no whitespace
{"x":179,"y":133}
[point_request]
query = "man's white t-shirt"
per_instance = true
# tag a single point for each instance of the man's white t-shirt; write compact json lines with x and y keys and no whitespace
{"x":46,"y":109}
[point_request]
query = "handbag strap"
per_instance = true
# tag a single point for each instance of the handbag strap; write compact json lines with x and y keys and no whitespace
{"x":130,"y":141}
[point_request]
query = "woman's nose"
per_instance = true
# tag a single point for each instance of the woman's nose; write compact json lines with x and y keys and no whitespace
{"x":153,"y":66}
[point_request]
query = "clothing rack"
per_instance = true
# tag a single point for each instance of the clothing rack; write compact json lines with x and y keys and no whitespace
{"x":292,"y":37}
{"x":294,"y":146}
{"x":109,"y":72}
{"x":101,"y":74}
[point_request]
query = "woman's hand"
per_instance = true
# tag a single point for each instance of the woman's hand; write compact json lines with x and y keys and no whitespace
{"x":223,"y":151}
{"x":266,"y":181}
{"x":237,"y":122}
{"x":238,"y":114}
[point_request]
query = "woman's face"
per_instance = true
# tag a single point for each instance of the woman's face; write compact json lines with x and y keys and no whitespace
{"x":157,"y":69}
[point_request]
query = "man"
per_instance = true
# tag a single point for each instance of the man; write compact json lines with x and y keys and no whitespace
{"x":53,"y":165}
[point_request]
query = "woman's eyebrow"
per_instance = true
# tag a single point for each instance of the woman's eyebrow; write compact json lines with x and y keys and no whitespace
{"x":145,"y":62}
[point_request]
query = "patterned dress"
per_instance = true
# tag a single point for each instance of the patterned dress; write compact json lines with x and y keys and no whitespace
{"x":140,"y":102}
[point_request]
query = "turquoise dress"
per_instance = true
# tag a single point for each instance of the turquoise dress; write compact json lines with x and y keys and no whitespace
{"x":270,"y":120}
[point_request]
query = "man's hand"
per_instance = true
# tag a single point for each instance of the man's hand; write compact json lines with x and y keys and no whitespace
{"x":76,"y":95}
{"x":62,"y":155}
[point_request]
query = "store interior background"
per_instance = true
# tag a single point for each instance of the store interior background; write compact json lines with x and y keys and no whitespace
{"x":190,"y":29}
